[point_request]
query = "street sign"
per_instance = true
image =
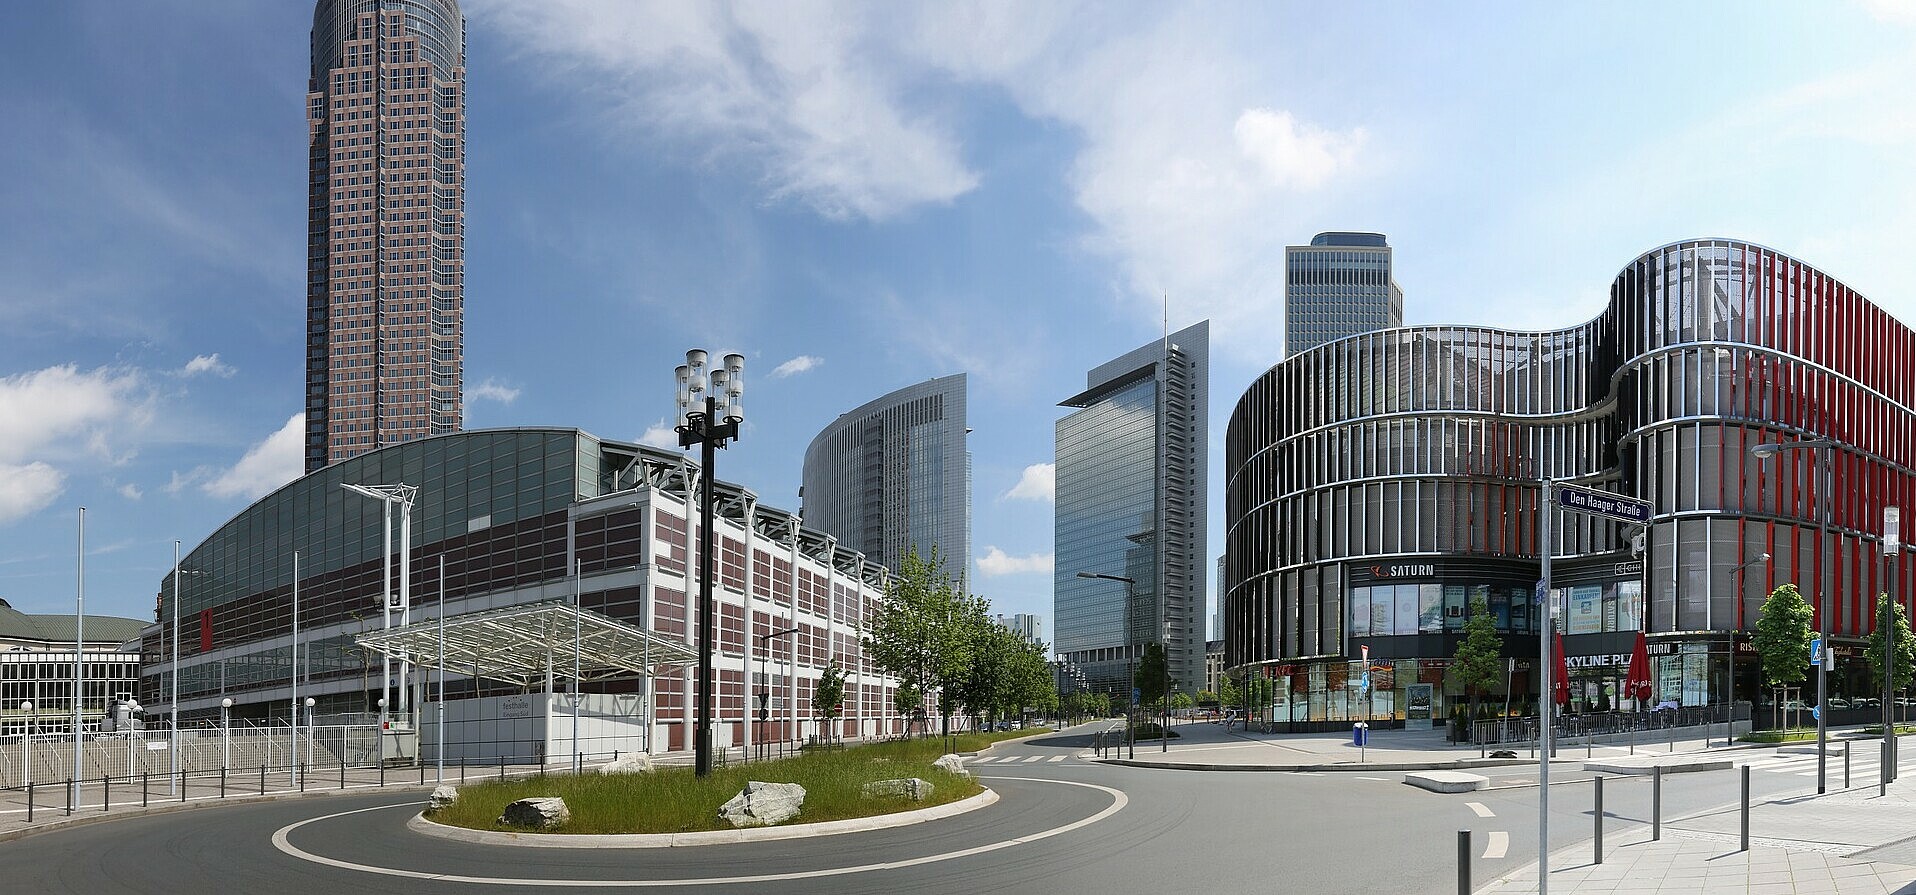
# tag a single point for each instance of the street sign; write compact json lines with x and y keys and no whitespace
{"x":1816,"y":713}
{"x":1892,"y":537}
{"x":1137,"y":695}
{"x":1602,"y":503}
{"x":1816,"y":650}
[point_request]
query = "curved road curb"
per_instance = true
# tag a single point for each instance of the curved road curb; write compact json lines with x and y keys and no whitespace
{"x":419,"y":824}
{"x":197,"y":804}
{"x":1460,"y":765}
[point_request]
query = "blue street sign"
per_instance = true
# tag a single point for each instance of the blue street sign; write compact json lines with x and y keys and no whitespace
{"x":1602,"y":503}
{"x":1366,"y":678}
{"x":1816,"y":712}
{"x":1816,"y":650}
{"x":1137,"y":696}
{"x":1540,"y":593}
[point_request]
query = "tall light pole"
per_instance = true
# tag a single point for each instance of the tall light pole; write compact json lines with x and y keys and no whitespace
{"x":226,"y":732}
{"x":387,"y":495}
{"x":709,"y":419}
{"x":79,"y":650}
{"x":765,"y":695}
{"x":1729,"y":734}
{"x":26,"y":745}
{"x":1130,"y":597}
{"x":1824,"y":448}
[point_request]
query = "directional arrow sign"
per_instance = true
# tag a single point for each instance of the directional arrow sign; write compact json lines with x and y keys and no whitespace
{"x":1602,"y":503}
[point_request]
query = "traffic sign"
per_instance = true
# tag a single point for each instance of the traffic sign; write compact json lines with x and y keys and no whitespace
{"x":1816,"y":650}
{"x":1137,"y":695}
{"x":1602,"y":503}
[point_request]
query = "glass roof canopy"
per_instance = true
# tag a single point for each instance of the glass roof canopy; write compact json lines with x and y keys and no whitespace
{"x":526,"y":643}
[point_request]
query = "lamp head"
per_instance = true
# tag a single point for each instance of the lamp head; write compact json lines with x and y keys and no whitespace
{"x":26,"y":706}
{"x":309,"y":702}
{"x":1766,"y":450}
{"x":1087,"y":575}
{"x":226,"y":703}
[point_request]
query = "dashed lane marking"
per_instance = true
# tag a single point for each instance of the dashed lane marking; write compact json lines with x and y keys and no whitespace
{"x":1481,"y":809}
{"x":1057,"y":758}
{"x":1034,"y":758}
{"x":1496,"y":844}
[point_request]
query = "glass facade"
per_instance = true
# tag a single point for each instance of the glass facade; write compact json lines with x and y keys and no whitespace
{"x":1340,"y":285}
{"x":1130,"y":479}
{"x":1419,"y":451}
{"x":894,"y":475}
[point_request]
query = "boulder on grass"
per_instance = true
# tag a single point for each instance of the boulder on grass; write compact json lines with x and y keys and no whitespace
{"x":443,"y":796}
{"x":638,"y":763}
{"x":911,"y":788}
{"x":537,"y":814}
{"x":952,"y":763}
{"x":763,"y":804}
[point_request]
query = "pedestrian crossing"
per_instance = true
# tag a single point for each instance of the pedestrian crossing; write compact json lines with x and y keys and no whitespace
{"x":1016,"y":759}
{"x":1862,"y":762}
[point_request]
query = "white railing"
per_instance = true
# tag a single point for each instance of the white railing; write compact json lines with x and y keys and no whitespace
{"x":250,"y":746}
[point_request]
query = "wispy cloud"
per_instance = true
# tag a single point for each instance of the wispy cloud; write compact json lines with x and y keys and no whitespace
{"x":51,"y":416}
{"x":131,"y":491}
{"x":491,"y":390}
{"x":997,"y":562}
{"x":660,"y":435}
{"x":28,"y":488}
{"x":209,"y":364}
{"x":267,"y":465}
{"x":1039,"y":482}
{"x":796,"y":365}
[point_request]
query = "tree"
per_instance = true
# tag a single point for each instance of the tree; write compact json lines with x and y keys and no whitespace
{"x":1182,"y":701}
{"x":1149,"y":678}
{"x":917,"y":632}
{"x":1904,"y":652}
{"x":1206,"y":697}
{"x":1228,"y":695}
{"x":1258,"y":691}
{"x":829,"y":699}
{"x":1479,"y":659}
{"x":1783,"y":636}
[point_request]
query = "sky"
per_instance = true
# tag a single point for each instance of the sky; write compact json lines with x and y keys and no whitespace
{"x":861,"y":196}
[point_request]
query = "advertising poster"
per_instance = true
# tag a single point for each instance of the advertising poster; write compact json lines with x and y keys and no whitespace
{"x":1418,"y":708}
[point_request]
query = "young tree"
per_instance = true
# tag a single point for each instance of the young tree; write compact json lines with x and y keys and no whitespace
{"x":1149,"y":678}
{"x":912,"y":633}
{"x":1783,"y":636}
{"x":829,"y":699}
{"x":1206,"y":697}
{"x":1228,"y":696}
{"x":1904,"y":652}
{"x":1182,"y":701}
{"x":1479,"y":659}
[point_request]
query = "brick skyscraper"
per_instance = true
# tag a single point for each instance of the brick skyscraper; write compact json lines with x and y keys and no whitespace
{"x":385,"y":259}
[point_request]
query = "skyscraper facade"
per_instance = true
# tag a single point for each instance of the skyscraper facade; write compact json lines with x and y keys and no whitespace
{"x":1131,"y":473}
{"x":1339,"y":285}
{"x":385,"y":259}
{"x":895,"y":475}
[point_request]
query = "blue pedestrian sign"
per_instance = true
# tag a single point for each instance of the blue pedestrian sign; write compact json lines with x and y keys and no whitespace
{"x":1816,"y":712}
{"x":1816,"y":650}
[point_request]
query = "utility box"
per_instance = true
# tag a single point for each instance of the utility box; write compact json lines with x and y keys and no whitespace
{"x":397,"y":745}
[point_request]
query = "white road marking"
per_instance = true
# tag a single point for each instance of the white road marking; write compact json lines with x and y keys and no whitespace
{"x":1034,"y":758}
{"x":1373,"y":779}
{"x":1057,"y":758}
{"x":1481,"y":809}
{"x":1496,"y":844}
{"x":282,"y":842}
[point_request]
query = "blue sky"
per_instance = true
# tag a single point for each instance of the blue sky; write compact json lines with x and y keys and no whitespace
{"x":882,"y":193}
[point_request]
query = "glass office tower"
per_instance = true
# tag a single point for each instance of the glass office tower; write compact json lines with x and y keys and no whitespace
{"x":1131,"y":504}
{"x":1339,"y":285}
{"x":385,"y":262}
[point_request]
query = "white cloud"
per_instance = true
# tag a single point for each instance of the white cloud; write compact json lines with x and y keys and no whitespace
{"x":50,"y":418}
{"x":796,"y":91}
{"x":208,"y":363}
{"x":660,"y":435}
{"x":491,"y":390}
{"x":1291,"y":154}
{"x":998,"y":562}
{"x":131,"y":491}
{"x":1039,"y":482}
{"x":279,"y":459}
{"x":796,"y":365}
{"x":27,"y":489}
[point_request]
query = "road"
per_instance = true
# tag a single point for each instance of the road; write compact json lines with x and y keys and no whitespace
{"x":1063,"y":824}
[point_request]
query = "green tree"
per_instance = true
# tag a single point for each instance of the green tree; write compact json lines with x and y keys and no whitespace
{"x":1904,"y":652}
{"x":1182,"y":701}
{"x":1149,"y":677}
{"x":1206,"y":697}
{"x":829,"y":699}
{"x":1258,"y":691}
{"x":1228,"y":694}
{"x":918,"y":632}
{"x":1783,"y":636}
{"x":1479,"y":659}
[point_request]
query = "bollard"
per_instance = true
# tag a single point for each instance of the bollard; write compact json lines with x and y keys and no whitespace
{"x":143,"y":789}
{"x":1599,"y":818}
{"x":342,"y":771}
{"x":106,"y":792}
{"x":502,"y":768}
{"x":222,"y":782}
{"x":1656,"y":803}
{"x":302,"y":778}
{"x":29,"y":802}
{"x":262,"y":779}
{"x":1883,"y":764}
{"x":462,"y":769}
{"x":182,"y":785}
{"x":1846,"y":746}
{"x":69,"y":789}
{"x":1745,"y":840}
{"x":1463,"y":862}
{"x":382,"y":770}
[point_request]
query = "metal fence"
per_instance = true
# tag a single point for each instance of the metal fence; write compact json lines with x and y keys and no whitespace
{"x":1524,"y":730}
{"x":45,"y":757}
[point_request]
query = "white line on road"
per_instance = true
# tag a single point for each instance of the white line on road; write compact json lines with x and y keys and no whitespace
{"x":1034,"y":758}
{"x":1373,"y":779}
{"x":1481,"y":809}
{"x":1497,"y":843}
{"x":1057,"y":758}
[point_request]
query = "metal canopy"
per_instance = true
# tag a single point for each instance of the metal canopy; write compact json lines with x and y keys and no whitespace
{"x":525,"y":643}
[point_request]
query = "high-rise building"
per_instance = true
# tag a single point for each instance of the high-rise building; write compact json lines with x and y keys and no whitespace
{"x":385,"y":240}
{"x":1131,"y":463}
{"x":895,"y":475}
{"x":1339,"y":285}
{"x":1030,"y":627}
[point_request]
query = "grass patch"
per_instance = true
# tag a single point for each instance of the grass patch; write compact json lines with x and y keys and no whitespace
{"x":1902,"y":730}
{"x":674,"y":800}
{"x":1793,"y":735}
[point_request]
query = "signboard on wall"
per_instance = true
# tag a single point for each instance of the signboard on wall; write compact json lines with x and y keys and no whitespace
{"x":1418,"y":708}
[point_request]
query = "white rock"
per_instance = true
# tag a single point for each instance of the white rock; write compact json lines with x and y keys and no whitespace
{"x":443,"y":796}
{"x":538,"y":814}
{"x":638,"y":763}
{"x":953,"y":763}
{"x":763,"y":804}
{"x":911,"y":788}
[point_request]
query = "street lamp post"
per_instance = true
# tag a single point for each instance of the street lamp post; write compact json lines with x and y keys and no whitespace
{"x":1130,"y":597}
{"x":1824,"y":449}
{"x":1729,"y":723}
{"x":387,"y":495}
{"x":709,"y":419}
{"x":26,"y":745}
{"x":765,"y":695}
{"x":226,"y":732}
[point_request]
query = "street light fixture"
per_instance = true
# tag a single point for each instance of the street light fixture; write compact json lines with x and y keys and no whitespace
{"x":226,"y":732}
{"x":765,"y":695}
{"x":1824,"y":448}
{"x":26,"y":745}
{"x":709,"y":419}
{"x":388,"y":495}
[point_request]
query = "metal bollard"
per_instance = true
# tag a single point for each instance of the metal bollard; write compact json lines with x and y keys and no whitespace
{"x":69,"y":789}
{"x":1745,"y":840}
{"x":106,"y":793}
{"x":302,"y":778}
{"x":1463,"y":862}
{"x":143,"y":789}
{"x":1846,"y":745}
{"x":182,"y":785}
{"x":29,"y":803}
{"x":262,"y":779}
{"x":1656,"y":803}
{"x":1599,"y":817}
{"x":342,"y":772}
{"x":422,"y":772}
{"x":462,"y":769}
{"x":502,"y":769}
{"x":222,"y":782}
{"x":382,"y":770}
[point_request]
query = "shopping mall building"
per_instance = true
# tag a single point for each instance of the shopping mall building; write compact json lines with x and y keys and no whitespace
{"x":510,"y":518}
{"x":1378,"y":484}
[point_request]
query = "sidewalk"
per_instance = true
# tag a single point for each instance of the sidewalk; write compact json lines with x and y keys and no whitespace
{"x":1849,"y":842}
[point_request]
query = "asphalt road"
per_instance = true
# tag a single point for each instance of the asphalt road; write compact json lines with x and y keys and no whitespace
{"x":1175,"y":831}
